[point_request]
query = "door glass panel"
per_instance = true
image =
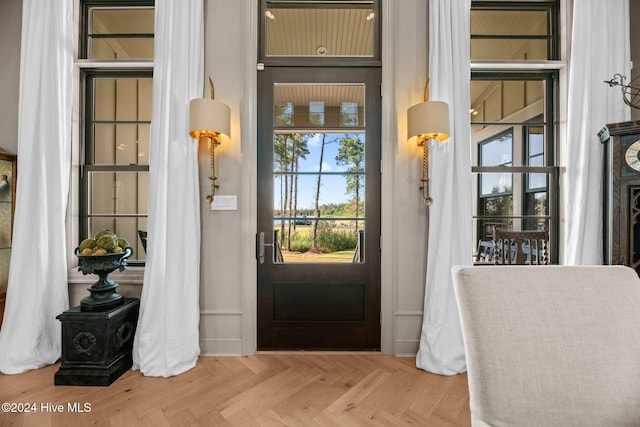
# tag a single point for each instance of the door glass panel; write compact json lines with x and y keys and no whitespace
{"x":318,"y":105}
{"x":319,"y":173}
{"x":331,"y":29}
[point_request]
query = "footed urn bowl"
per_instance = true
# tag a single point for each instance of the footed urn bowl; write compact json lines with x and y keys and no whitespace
{"x":103,"y":295}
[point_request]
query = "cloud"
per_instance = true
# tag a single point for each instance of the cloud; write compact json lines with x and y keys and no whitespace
{"x":326,"y":167}
{"x":315,"y":140}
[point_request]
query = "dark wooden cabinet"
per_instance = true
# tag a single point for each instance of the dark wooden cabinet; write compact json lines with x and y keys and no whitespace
{"x":7,"y":207}
{"x":622,"y":195}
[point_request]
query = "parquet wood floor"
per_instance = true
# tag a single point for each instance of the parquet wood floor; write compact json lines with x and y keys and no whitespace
{"x":265,"y":389}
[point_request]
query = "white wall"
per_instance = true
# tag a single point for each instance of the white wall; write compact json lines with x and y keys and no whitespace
{"x":405,"y":218}
{"x":228,"y":261}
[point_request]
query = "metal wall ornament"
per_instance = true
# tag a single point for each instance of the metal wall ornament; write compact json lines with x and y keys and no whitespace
{"x":630,"y":92}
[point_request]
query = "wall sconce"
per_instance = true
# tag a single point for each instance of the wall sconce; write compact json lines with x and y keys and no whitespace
{"x":428,"y":121}
{"x":209,"y":119}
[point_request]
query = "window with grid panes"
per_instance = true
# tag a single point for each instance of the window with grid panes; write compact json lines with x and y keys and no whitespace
{"x":513,"y":95}
{"x":117,"y":42}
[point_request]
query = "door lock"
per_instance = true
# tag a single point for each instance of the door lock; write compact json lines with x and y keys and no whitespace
{"x":262,"y":244}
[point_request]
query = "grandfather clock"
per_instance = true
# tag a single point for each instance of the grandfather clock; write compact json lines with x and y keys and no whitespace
{"x":622,"y":206}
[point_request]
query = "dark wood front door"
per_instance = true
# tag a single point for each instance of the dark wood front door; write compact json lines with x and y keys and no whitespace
{"x":318,"y":242}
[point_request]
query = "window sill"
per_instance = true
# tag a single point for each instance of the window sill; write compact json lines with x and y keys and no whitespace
{"x":130,"y":276}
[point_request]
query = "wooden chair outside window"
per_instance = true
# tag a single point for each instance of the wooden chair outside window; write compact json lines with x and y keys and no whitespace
{"x":143,"y":239}
{"x":484,"y":252}
{"x":521,"y":247}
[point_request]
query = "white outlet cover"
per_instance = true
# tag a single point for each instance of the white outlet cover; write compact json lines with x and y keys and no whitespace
{"x":224,"y":203}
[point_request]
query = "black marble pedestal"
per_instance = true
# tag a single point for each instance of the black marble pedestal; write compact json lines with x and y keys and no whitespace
{"x":96,"y":346}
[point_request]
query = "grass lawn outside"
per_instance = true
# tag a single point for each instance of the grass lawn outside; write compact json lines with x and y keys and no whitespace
{"x":340,"y":256}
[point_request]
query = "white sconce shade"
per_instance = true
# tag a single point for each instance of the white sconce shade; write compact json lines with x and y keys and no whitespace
{"x":208,"y":116}
{"x":428,"y":120}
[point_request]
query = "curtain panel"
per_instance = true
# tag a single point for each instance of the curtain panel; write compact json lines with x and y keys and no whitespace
{"x":599,"y":49}
{"x":167,"y":339}
{"x":37,"y":290}
{"x":441,"y":346}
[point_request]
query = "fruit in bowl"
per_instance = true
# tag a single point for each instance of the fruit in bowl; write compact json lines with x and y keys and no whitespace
{"x":105,"y":242}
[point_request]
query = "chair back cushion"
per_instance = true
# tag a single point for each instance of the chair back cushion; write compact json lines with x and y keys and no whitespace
{"x":551,"y":345}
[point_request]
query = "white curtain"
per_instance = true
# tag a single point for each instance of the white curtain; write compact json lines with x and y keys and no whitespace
{"x":599,"y":49}
{"x":167,"y":339}
{"x":441,"y":346}
{"x":37,"y":290}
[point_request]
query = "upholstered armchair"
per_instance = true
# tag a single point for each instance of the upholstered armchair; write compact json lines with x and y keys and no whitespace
{"x":551,"y":345}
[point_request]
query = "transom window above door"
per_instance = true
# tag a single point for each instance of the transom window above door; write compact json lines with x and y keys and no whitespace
{"x":319,"y":31}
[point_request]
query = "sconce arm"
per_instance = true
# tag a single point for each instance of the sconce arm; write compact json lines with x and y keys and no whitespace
{"x":424,"y":142}
{"x":213,"y":140}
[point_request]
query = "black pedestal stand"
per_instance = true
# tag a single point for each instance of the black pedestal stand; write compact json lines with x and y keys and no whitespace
{"x":97,"y":336}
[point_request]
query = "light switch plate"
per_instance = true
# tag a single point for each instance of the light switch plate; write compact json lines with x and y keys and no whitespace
{"x":224,"y":203}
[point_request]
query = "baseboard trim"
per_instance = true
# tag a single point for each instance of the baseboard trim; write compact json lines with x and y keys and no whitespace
{"x":220,"y":347}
